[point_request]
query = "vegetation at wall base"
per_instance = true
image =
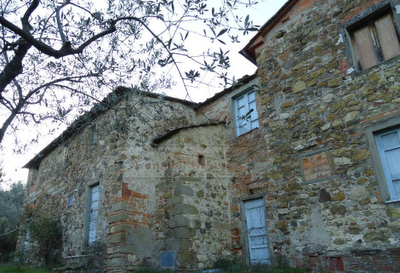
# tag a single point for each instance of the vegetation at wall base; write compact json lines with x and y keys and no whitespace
{"x":19,"y":268}
{"x":42,"y":234}
{"x":237,"y":269}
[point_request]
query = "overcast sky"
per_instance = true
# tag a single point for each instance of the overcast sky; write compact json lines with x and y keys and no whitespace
{"x":12,"y":163}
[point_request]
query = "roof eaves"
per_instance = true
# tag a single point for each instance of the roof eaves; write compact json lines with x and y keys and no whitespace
{"x":248,"y":51}
{"x":244,"y":80}
{"x":175,"y":131}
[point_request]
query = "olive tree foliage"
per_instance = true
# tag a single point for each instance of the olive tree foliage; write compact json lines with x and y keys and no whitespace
{"x":11,"y":207}
{"x":58,"y":57}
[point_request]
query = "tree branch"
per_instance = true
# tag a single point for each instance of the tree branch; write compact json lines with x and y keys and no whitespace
{"x":8,"y":232}
{"x":14,"y":67}
{"x":25,"y":19}
{"x":60,"y":27}
{"x":23,"y":102}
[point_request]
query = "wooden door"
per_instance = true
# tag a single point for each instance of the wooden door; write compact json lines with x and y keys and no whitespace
{"x":257,"y":232}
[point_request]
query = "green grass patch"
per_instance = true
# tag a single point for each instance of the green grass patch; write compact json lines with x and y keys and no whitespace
{"x":237,"y":268}
{"x":23,"y":269}
{"x":225,"y":268}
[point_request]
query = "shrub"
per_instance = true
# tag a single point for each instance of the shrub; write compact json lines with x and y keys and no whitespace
{"x":43,"y":235}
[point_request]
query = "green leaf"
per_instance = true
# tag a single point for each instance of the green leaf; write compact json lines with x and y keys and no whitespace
{"x":222,"y":42}
{"x":222,"y":32}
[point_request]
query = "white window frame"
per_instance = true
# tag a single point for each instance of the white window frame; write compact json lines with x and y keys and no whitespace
{"x":386,"y":165}
{"x":245,"y":119}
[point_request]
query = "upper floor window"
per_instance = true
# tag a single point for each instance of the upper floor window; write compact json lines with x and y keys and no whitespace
{"x":374,"y":39}
{"x":246,"y":116}
{"x":388,"y":145}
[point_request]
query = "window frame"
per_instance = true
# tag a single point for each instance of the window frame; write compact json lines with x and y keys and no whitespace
{"x":236,"y":112}
{"x":372,"y":132}
{"x":367,"y":19}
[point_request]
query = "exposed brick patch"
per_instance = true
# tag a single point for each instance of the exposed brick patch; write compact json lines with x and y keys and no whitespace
{"x":316,"y":166}
{"x":360,"y":261}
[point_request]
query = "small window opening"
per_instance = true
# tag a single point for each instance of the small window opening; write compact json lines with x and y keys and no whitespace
{"x":94,"y":135}
{"x":70,"y":200}
{"x":202,"y":160}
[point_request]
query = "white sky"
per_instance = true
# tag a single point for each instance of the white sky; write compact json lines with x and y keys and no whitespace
{"x":259,"y":14}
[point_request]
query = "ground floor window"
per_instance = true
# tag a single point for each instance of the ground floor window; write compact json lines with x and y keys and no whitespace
{"x":93,"y":214}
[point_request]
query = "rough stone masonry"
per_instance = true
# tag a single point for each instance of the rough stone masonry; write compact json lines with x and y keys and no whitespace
{"x":174,"y":187}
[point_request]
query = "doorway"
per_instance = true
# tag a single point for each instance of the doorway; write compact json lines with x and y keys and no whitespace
{"x":256,"y":232}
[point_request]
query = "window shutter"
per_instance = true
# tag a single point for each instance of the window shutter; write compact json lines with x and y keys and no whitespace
{"x":365,"y":47}
{"x":246,"y":113}
{"x":389,"y":149}
{"x":253,"y":114}
{"x":387,"y":37}
{"x":242,"y":110}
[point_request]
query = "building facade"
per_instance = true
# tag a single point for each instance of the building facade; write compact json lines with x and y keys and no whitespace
{"x":298,"y":164}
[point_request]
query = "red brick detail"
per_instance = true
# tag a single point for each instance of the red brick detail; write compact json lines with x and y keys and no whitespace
{"x":32,"y":189}
{"x":318,"y":263}
{"x":139,"y":195}
{"x":359,"y":9}
{"x":125,"y":191}
{"x":364,"y":261}
{"x":344,"y":65}
{"x":336,"y":264}
{"x":378,"y":117}
{"x":316,"y":166}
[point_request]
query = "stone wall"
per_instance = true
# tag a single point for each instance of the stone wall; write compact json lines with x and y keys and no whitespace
{"x":193,"y":219}
{"x":179,"y":202}
{"x":310,"y":157}
{"x":113,"y":150}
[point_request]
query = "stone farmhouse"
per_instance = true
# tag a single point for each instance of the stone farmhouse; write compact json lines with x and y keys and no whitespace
{"x":298,"y":164}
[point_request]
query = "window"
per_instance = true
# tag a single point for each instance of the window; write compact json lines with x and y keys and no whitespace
{"x":92,"y":214}
{"x":70,"y":200}
{"x":246,"y":113}
{"x":94,"y":135}
{"x":388,"y":145}
{"x":201,"y":160}
{"x":374,"y":39}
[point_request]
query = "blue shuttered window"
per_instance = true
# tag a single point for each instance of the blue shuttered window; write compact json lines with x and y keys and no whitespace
{"x":388,"y":144}
{"x":246,"y":113}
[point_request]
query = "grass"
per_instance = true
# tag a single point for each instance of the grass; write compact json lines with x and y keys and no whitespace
{"x":225,"y":268}
{"x":237,"y":268}
{"x":7,"y":268}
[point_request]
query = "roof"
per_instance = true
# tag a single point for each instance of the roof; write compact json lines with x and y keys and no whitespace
{"x":249,"y":50}
{"x":82,"y":121}
{"x":112,"y":99}
{"x":244,"y":80}
{"x":173,"y":132}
